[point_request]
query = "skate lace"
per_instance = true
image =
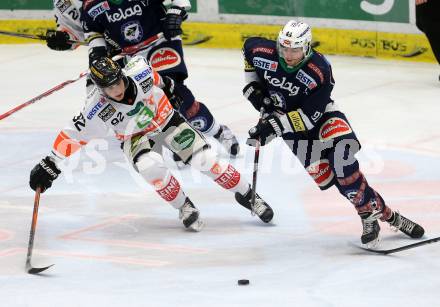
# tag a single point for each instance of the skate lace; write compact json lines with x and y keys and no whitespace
{"x":402,"y":223}
{"x":185,"y":211}
{"x":406,"y":225}
{"x":259,"y":206}
{"x":368,"y":226}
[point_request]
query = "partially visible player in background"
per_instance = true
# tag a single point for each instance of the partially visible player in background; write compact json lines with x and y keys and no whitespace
{"x":137,"y":105}
{"x":428,"y":21}
{"x":293,"y":84}
{"x":67,"y":18}
{"x":128,"y":24}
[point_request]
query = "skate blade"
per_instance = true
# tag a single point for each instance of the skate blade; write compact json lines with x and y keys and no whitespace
{"x":373,"y":244}
{"x":197,"y":226}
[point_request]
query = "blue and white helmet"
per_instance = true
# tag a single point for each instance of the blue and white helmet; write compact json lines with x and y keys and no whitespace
{"x":295,"y":35}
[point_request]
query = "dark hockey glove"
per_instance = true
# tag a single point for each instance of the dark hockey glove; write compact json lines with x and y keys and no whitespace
{"x":170,"y":90}
{"x":255,"y":93}
{"x":265,"y":131}
{"x":43,"y":174}
{"x":173,"y":22}
{"x":96,"y":53}
{"x":58,"y":40}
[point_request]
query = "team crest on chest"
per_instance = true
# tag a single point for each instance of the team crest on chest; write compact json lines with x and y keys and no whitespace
{"x":132,"y":31}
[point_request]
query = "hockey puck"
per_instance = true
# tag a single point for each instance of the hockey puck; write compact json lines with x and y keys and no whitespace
{"x":243,"y":282}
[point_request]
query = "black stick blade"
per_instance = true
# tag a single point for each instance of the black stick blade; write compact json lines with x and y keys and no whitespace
{"x":32,"y":270}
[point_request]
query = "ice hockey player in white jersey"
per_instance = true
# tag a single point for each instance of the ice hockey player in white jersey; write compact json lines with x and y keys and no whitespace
{"x":138,"y":105}
{"x":67,"y":18}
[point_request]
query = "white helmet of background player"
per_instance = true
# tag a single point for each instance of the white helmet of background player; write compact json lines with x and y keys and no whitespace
{"x":294,"y":43}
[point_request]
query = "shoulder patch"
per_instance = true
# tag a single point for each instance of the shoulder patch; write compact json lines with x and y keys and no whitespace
{"x":317,"y":71}
{"x":263,"y":50}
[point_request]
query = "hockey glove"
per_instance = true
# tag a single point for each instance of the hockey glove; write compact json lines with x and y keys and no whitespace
{"x":170,"y":90}
{"x":265,"y":131}
{"x":58,"y":40}
{"x":254,"y":92}
{"x":43,"y":174}
{"x":172,"y":25}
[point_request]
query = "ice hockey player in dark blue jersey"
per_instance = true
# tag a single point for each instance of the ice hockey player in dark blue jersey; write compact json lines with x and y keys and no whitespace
{"x":293,"y":83}
{"x":124,"y":24}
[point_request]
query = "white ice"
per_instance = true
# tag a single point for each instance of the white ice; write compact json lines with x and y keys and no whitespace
{"x":114,"y":242}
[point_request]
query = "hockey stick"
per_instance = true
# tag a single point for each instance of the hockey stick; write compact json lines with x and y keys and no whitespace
{"x":45,"y":94}
{"x":38,"y":37}
{"x":255,"y":173}
{"x":29,"y":268}
{"x":62,"y":85}
{"x":401,"y":248}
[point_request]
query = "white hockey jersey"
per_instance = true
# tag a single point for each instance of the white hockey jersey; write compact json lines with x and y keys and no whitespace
{"x":149,"y":113}
{"x":67,"y":18}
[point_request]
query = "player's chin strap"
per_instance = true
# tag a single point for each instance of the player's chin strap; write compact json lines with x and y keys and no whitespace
{"x":255,"y":173}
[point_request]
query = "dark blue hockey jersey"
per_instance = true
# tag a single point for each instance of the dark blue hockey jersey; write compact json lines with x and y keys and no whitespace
{"x":123,"y":22}
{"x":306,"y":89}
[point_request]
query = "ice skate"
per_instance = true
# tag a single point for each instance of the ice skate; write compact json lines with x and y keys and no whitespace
{"x":228,"y":140}
{"x":370,"y":234}
{"x":189,"y":215}
{"x":408,"y":227}
{"x":261,"y":208}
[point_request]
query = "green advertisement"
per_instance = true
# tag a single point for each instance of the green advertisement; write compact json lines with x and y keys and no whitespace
{"x":48,"y":5}
{"x":26,"y":4}
{"x":367,"y":10}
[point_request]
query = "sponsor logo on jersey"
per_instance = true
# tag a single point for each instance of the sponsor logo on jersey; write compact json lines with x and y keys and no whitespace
{"x":282,"y":84}
{"x":333,"y":127}
{"x":63,"y":5}
{"x":200,"y":123}
{"x":107,"y":112}
{"x":317,"y":71}
{"x":122,"y":15}
{"x":305,"y":79}
{"x":171,"y":190}
{"x":216,"y":169}
{"x":95,"y":109}
{"x":247,"y":66}
{"x":229,"y":179}
{"x":321,"y":172}
{"x":263,"y":50}
{"x":265,"y":64}
{"x":132,"y":31}
{"x":143,"y":74}
{"x":165,"y":58}
{"x":98,"y":9}
{"x":146,"y":85}
{"x":296,"y":121}
{"x":183,"y":140}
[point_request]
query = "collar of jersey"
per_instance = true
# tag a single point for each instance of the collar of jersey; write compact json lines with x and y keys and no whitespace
{"x":289,"y":69}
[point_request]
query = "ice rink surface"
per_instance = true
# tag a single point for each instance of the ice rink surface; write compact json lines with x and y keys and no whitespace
{"x":114,"y":242}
